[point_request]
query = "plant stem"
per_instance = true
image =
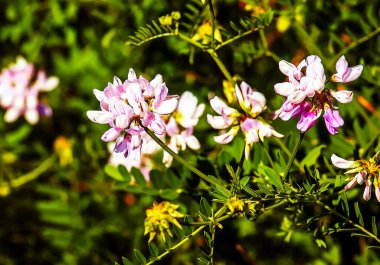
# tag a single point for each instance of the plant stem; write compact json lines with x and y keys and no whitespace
{"x":183,"y":161}
{"x":295,"y":150}
{"x":221,"y":66}
{"x":361,"y":228}
{"x":354,"y":44}
{"x":269,"y":158}
{"x":183,"y":241}
{"x":5,"y":188}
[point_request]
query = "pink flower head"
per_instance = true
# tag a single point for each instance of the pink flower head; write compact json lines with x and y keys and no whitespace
{"x":306,"y":95}
{"x":366,"y":171}
{"x":19,"y":94}
{"x":254,"y":128}
{"x":129,"y":105}
{"x":345,"y":74}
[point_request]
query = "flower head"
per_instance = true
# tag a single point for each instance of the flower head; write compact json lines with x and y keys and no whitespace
{"x":254,"y":127}
{"x":307,"y":96}
{"x":158,"y":220}
{"x":366,"y":171}
{"x":19,"y":89}
{"x":129,"y":106}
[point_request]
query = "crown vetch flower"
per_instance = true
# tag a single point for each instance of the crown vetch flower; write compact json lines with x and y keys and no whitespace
{"x":19,"y":89}
{"x":307,"y":96}
{"x":366,"y":171}
{"x":253,"y":126}
{"x":129,"y":105}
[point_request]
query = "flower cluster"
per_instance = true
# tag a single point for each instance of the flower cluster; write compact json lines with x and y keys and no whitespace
{"x":129,"y":107}
{"x":254,"y":127}
{"x":367,"y":172}
{"x":19,"y":89}
{"x":307,"y":96}
{"x":180,"y":125}
{"x":158,"y":219}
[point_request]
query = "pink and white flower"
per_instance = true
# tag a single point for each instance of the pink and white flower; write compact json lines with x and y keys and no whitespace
{"x":129,"y":106}
{"x":366,"y":171}
{"x":19,"y":94}
{"x":254,"y":128}
{"x":307,"y":96}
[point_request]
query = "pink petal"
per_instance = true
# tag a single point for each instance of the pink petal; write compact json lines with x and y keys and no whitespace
{"x":218,"y":122}
{"x":192,"y":142}
{"x":227,"y":137}
{"x":287,"y":68}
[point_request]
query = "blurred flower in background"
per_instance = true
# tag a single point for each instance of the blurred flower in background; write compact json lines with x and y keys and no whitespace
{"x":19,"y":89}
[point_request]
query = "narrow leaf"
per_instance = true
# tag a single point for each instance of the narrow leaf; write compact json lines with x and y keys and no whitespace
{"x":358,"y":214}
{"x":139,"y":256}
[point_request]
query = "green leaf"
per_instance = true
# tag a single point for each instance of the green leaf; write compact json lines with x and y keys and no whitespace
{"x":18,"y":135}
{"x":202,"y":260}
{"x":205,"y":207}
{"x":139,"y":256}
{"x":358,"y":214}
{"x":271,"y":174}
{"x":173,"y":180}
{"x":156,"y":178}
{"x":244,"y":181}
{"x":153,"y":249}
{"x":113,"y":172}
{"x":139,"y":177}
{"x":126,"y":261}
{"x":374,"y":225}
{"x":312,"y":156}
{"x":169,"y":194}
{"x":124,"y":172}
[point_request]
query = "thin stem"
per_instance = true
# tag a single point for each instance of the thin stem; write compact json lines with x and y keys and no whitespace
{"x":233,"y":39}
{"x":355,"y":44}
{"x":183,"y":241}
{"x":361,"y":228}
{"x":183,"y":161}
{"x":296,"y":148}
{"x":221,"y":66}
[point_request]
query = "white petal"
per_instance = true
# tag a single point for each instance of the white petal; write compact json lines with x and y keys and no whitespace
{"x":287,"y":68}
{"x":343,"y":96}
{"x":297,"y":97}
{"x":31,"y":115}
{"x":131,"y":75}
{"x":218,"y":122}
{"x":340,"y":162}
{"x":284,"y":89}
{"x":167,"y":106}
{"x":192,"y":142}
{"x":11,"y":115}
{"x":101,"y":117}
{"x":110,"y":135}
{"x":50,"y":84}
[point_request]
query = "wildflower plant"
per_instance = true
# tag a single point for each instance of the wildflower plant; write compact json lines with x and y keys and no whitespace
{"x":215,"y":154}
{"x":258,"y":180}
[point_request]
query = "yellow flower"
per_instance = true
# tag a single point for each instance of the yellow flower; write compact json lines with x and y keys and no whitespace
{"x":158,"y":219}
{"x":205,"y":32}
{"x":235,"y":204}
{"x":62,"y":147}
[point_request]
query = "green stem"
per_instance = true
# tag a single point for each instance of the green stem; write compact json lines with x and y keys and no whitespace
{"x":361,"y":228}
{"x":221,"y":66}
{"x":296,"y":148}
{"x":354,"y":44}
{"x":183,"y":241}
{"x":183,"y":161}
{"x":5,"y":188}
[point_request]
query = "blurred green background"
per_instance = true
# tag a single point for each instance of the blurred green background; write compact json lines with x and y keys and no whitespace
{"x":70,"y":213}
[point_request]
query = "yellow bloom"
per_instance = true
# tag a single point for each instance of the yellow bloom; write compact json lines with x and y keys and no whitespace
{"x":158,"y":219}
{"x":204,"y":31}
{"x":62,"y":147}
